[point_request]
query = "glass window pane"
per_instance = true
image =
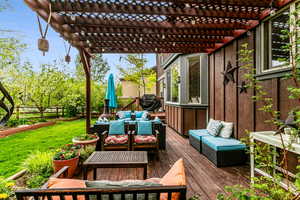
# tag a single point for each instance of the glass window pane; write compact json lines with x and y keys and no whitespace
{"x":168,"y":85}
{"x":194,"y":79}
{"x":280,"y":54}
{"x":175,"y":82}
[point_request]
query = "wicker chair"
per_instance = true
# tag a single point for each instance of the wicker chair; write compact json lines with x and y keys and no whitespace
{"x":145,"y":142}
{"x":119,"y":142}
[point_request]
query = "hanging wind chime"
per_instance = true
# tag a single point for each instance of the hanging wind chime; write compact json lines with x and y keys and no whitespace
{"x":43,"y":43}
{"x":67,"y":57}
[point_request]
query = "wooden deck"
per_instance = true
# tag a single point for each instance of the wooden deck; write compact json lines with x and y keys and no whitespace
{"x":203,"y":177}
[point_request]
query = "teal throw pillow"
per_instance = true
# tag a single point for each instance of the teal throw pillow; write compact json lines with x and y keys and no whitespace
{"x":116,"y":127}
{"x":144,"y":128}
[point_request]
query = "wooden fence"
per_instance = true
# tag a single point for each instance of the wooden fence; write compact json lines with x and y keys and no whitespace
{"x":31,"y":112}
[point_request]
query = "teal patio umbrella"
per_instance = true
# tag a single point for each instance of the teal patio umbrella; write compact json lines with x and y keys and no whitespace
{"x":111,"y":93}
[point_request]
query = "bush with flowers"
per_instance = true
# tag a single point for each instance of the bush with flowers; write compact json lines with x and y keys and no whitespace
{"x":6,"y":189}
{"x":67,"y":152}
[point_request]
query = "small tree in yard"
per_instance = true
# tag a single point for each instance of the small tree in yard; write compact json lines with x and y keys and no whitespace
{"x":137,"y":73}
{"x":46,"y":87}
{"x":99,"y":68}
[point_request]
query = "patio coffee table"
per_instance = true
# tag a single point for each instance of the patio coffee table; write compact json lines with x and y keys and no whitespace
{"x":115,"y":159}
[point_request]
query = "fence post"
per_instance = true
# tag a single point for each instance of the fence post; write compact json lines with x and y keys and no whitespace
{"x":63,"y":111}
{"x":57,"y":115}
{"x":18,"y":112}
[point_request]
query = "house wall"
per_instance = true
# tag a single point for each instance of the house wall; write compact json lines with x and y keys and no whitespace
{"x":228,"y":104}
{"x":130,"y":89}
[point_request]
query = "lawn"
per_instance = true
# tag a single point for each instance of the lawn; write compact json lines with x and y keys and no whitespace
{"x":16,"y":148}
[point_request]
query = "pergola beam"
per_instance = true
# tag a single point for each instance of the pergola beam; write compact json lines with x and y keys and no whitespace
{"x":87,"y":22}
{"x":113,"y":8}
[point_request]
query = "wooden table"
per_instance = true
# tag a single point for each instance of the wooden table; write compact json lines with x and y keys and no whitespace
{"x":115,"y":159}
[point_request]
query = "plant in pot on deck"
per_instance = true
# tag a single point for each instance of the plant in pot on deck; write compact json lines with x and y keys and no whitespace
{"x":86,"y":139}
{"x":67,"y":156}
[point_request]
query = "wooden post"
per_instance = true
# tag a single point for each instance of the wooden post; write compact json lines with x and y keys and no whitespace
{"x":57,"y":115}
{"x":62,"y":111}
{"x":18,"y":112}
{"x":85,"y":59}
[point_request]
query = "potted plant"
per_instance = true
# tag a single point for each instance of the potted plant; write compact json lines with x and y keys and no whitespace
{"x":7,"y":189}
{"x":85,"y":139}
{"x":67,"y":156}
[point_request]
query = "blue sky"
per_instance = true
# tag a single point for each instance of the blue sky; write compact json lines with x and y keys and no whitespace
{"x":22,"y":20}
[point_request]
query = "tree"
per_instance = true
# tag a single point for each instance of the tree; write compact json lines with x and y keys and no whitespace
{"x":46,"y":87}
{"x":99,"y":68}
{"x":137,"y":73}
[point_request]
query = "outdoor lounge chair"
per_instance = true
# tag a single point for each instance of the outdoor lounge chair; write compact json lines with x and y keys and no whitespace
{"x":219,"y":150}
{"x":145,"y":137}
{"x":170,"y":187}
{"x":116,"y":138}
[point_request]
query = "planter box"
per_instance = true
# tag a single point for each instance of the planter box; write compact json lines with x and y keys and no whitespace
{"x":12,"y":131}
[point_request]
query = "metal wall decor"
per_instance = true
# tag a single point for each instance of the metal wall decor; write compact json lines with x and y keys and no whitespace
{"x":243,"y":87}
{"x":229,"y":73}
{"x":8,"y":109}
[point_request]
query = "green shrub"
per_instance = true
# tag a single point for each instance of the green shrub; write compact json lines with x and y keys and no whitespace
{"x":86,"y":152}
{"x":71,"y":111}
{"x":39,"y":167}
{"x":16,"y":122}
{"x":36,"y":181}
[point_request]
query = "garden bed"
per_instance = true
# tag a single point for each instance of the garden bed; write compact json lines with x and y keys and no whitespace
{"x":22,"y":128}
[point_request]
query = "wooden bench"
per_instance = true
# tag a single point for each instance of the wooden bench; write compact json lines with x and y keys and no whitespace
{"x":97,"y":193}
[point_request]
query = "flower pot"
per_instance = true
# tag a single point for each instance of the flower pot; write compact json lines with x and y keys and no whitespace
{"x":72,"y":163}
{"x":85,"y":142}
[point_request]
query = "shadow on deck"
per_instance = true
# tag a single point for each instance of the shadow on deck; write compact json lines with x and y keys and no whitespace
{"x":203,"y":177}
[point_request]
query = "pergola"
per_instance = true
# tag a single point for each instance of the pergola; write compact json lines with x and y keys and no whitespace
{"x":150,"y":26}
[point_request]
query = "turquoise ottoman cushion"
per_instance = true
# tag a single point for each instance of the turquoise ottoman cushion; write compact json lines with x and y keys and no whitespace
{"x":223,"y":144}
{"x":198,"y":134}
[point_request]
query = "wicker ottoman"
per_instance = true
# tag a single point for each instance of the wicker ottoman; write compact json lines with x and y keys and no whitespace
{"x":224,"y":152}
{"x":195,"y":138}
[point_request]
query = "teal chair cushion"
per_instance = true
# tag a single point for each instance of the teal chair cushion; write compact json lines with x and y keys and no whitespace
{"x":144,"y":128}
{"x":223,"y":144}
{"x":117,"y":127}
{"x":139,"y":114}
{"x":198,"y":134}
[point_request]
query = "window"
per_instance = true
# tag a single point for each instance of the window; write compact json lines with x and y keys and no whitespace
{"x":168,"y":85}
{"x":274,"y":40}
{"x":275,"y":50}
{"x":175,"y":81}
{"x":194,"y":79}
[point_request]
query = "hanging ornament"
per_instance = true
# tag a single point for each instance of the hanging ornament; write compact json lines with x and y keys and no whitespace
{"x":67,"y":57}
{"x":43,"y":43}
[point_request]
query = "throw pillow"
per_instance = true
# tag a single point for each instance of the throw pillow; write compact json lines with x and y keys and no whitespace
{"x":145,"y":115}
{"x":226,"y":130}
{"x":139,"y":114}
{"x":116,"y":127}
{"x":175,"y":176}
{"x":121,"y":115}
{"x":209,"y":123}
{"x":214,"y":127}
{"x":144,"y":128}
{"x":66,"y":183}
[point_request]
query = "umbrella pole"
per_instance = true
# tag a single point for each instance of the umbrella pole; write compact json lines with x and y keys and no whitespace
{"x":85,"y":59}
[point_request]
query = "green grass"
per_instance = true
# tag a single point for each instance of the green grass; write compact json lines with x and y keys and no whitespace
{"x":16,"y":148}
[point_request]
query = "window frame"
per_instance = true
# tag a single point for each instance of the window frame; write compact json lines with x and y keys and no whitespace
{"x":169,"y":87}
{"x":187,"y":59}
{"x":261,"y":53}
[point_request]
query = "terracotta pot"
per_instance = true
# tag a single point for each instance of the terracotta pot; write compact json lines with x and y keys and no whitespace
{"x":85,"y":142}
{"x":72,"y":163}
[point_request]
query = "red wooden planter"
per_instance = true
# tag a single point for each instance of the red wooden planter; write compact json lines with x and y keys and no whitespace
{"x":72,"y":163}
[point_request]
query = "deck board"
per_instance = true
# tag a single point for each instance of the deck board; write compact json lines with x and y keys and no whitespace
{"x":203,"y":177}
